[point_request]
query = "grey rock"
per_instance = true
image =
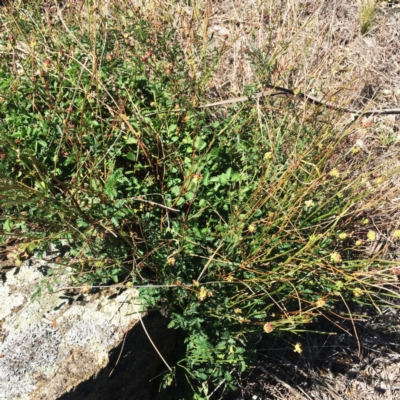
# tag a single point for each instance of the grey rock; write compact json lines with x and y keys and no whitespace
{"x":50,"y":344}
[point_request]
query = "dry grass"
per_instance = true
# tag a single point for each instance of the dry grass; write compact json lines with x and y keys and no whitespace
{"x":331,"y":366}
{"x":324,"y":48}
{"x":314,"y":46}
{"x":319,"y":47}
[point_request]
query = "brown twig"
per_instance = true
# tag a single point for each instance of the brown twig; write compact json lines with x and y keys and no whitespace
{"x":277,"y":91}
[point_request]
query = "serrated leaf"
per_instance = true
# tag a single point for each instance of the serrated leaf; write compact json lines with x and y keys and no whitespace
{"x":176,"y":190}
{"x":189,"y":195}
{"x":199,"y":144}
{"x":7,"y":225}
{"x":235,"y":176}
{"x":115,"y":221}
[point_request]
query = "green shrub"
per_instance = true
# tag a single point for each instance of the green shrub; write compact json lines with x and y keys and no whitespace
{"x":241,"y":222}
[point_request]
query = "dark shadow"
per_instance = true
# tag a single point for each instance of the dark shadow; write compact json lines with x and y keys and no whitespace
{"x":134,"y":376}
{"x":333,"y":359}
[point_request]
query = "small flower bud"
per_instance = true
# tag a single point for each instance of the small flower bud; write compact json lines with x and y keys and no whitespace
{"x":268,"y":328}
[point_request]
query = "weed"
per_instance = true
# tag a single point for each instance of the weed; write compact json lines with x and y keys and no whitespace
{"x":367,"y":13}
{"x":234,"y":219}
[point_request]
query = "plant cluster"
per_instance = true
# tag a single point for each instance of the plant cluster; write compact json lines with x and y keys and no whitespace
{"x":239,"y":222}
{"x":367,"y":13}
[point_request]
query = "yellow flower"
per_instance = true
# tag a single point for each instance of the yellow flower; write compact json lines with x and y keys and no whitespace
{"x":320,"y":303}
{"x":359,"y":242}
{"x":202,"y":294}
{"x":309,"y":203}
{"x":196,"y":283}
{"x":268,"y":328}
{"x":314,"y":238}
{"x":365,"y":221}
{"x":298,"y":348}
{"x":196,"y":178}
{"x":252,"y":227}
{"x":371,"y":235}
{"x":334,"y":173}
{"x":268,"y":155}
{"x":237,"y":311}
{"x":357,"y":292}
{"x":85,"y":288}
{"x":171,"y":261}
{"x":396,"y":234}
{"x":343,"y":235}
{"x":336,"y":257}
{"x":339,"y":285}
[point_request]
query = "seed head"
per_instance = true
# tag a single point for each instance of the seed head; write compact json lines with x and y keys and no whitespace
{"x":267,"y":155}
{"x":252,"y":228}
{"x":268,"y":328}
{"x":371,"y":235}
{"x":334,"y":173}
{"x":171,"y":261}
{"x":320,"y":303}
{"x":298,"y":348}
{"x":336,"y":257}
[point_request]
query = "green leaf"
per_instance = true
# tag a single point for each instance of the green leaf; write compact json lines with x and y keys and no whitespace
{"x":131,"y":156}
{"x":115,"y":221}
{"x":228,"y":377}
{"x":171,"y":325}
{"x":131,"y":140}
{"x":7,"y":225}
{"x":172,"y":129}
{"x":199,"y":144}
{"x":201,"y":376}
{"x":176,"y":190}
{"x":189,"y":195}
